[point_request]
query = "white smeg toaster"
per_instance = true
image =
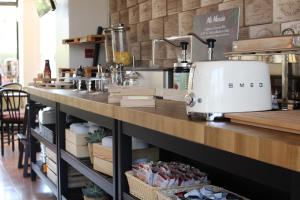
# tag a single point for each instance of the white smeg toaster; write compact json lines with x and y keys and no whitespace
{"x":218,"y":87}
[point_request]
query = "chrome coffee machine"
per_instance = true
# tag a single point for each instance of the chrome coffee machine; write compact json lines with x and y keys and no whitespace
{"x":293,"y":92}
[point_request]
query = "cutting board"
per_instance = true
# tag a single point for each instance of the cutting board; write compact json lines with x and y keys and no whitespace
{"x":287,"y":121}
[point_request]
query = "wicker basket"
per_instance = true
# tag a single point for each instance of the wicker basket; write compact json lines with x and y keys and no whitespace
{"x":143,"y":191}
{"x":140,"y":189}
{"x":169,"y":194}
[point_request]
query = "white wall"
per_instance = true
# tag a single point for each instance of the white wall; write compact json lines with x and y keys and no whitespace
{"x":72,"y":18}
{"x":29,"y":36}
{"x":85,"y":17}
{"x":48,"y":41}
{"x":62,"y":32}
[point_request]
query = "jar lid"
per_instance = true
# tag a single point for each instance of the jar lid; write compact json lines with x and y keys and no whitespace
{"x":183,"y":65}
{"x":120,"y":27}
{"x":108,"y":30}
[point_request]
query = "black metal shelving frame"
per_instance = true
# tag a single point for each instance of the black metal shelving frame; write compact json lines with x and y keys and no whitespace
{"x":45,"y":179}
{"x":36,"y":135}
{"x":271,"y":176}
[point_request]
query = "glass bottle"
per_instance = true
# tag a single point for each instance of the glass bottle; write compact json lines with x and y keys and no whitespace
{"x":47,"y":70}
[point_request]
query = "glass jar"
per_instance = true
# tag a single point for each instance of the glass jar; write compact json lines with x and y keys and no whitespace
{"x":120,"y":49}
{"x":108,"y":46}
{"x":181,"y":76}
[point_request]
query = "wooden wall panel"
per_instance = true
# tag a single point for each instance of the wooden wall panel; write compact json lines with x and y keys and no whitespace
{"x":143,"y":31}
{"x":156,"y":28}
{"x":190,"y":4}
{"x":185,"y":22}
{"x":113,"y":6}
{"x":286,"y":10}
{"x":172,"y":52}
{"x":132,"y":34}
{"x":295,"y":25}
{"x":169,"y":63}
{"x":266,"y":30}
{"x":145,"y":11}
{"x":171,"y":25}
{"x":121,"y":4}
{"x":115,"y":18}
{"x":146,"y":50}
{"x":161,"y":50}
{"x":131,"y":3}
{"x":210,"y":2}
{"x":135,"y":49}
{"x":258,"y":12}
{"x":134,"y":14}
{"x":174,"y":6}
{"x":244,"y":33}
{"x":234,"y":4}
{"x":159,"y":8}
{"x":124,"y":17}
{"x":206,"y":10}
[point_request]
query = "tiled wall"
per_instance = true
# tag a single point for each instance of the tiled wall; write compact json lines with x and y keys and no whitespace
{"x":151,"y":19}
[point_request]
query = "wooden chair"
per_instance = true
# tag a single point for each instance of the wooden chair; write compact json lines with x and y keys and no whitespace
{"x":23,"y":137}
{"x":16,"y":86}
{"x":11,"y":112}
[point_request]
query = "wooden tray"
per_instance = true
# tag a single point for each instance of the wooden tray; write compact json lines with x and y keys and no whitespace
{"x":265,"y":44}
{"x":287,"y":121}
{"x":84,"y":39}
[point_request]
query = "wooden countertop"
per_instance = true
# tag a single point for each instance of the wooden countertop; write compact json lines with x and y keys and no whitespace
{"x":270,"y":146}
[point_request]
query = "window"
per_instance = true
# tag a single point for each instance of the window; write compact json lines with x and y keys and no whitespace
{"x":8,"y":42}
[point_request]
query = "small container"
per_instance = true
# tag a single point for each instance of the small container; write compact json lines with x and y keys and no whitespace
{"x":181,"y":76}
